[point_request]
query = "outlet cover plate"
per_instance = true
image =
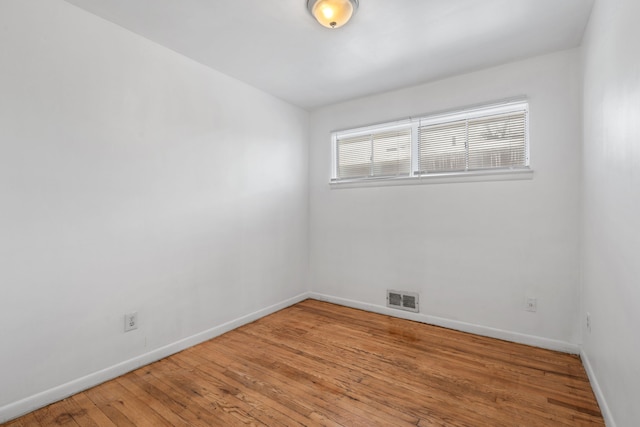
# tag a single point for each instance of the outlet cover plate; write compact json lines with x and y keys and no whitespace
{"x":531,"y":304}
{"x":131,"y":321}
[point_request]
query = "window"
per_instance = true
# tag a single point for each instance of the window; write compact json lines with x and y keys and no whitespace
{"x":382,"y":152}
{"x":467,"y":142}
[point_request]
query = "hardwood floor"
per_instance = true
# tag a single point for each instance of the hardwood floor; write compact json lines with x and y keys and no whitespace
{"x":321,"y":364}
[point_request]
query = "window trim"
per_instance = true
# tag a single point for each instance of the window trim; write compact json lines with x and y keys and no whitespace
{"x":415,"y":175}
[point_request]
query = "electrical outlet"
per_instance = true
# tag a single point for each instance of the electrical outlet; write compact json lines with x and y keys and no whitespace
{"x":131,"y":321}
{"x":531,"y":304}
{"x":588,"y":322}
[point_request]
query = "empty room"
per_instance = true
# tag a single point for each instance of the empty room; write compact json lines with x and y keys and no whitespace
{"x":319,"y":212}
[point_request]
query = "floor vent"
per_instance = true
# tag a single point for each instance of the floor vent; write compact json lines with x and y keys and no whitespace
{"x":403,"y":300}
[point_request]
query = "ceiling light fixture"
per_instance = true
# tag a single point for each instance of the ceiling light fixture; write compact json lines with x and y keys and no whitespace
{"x":332,"y":13}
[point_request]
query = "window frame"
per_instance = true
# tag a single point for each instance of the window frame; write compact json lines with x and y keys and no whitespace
{"x":416,"y":176}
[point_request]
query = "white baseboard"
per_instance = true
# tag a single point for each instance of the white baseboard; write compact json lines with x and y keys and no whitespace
{"x":595,"y":385}
{"x":31,"y":403}
{"x":532,"y":340}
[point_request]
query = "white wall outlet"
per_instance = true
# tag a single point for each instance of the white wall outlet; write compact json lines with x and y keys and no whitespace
{"x":131,"y":321}
{"x":531,"y":304}
{"x":588,"y":322}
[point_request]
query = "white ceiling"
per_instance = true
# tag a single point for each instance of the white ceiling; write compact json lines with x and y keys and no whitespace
{"x":276,"y":46}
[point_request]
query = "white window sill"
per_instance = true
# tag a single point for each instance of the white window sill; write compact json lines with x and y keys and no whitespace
{"x":440,"y":178}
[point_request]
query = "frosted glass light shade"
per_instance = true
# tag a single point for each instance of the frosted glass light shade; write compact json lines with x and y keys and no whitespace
{"x":332,"y":13}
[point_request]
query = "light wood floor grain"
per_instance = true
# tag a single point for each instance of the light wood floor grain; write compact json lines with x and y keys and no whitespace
{"x":321,"y":364}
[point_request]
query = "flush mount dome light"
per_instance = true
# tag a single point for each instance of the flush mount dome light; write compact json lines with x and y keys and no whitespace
{"x":332,"y":13}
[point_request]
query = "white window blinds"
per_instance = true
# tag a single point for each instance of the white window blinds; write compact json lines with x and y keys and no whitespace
{"x":491,"y":141}
{"x":497,"y":141}
{"x":443,"y":147}
{"x":492,"y":137}
{"x":379,"y":153}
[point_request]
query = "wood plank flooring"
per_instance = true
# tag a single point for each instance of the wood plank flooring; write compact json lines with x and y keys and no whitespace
{"x":318,"y":364}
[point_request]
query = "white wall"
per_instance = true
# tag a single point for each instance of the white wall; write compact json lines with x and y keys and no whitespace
{"x":611,"y":271}
{"x":472,"y":250}
{"x":132,"y":178}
